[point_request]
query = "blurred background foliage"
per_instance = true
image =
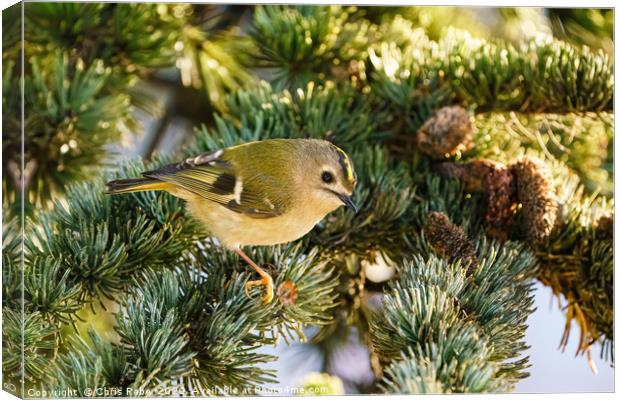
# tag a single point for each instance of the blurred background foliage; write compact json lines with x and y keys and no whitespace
{"x":105,"y":83}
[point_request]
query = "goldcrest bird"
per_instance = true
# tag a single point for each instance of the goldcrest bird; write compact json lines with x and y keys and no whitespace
{"x":257,"y":194}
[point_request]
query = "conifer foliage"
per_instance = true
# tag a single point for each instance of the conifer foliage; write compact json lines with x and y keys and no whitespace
{"x":482,"y":165}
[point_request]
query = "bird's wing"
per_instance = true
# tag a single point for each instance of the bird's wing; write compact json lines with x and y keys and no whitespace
{"x":213,"y":178}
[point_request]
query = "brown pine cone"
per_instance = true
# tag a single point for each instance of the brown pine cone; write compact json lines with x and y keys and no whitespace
{"x":498,"y":185}
{"x":446,"y":133}
{"x":450,"y":241}
{"x":537,"y":196}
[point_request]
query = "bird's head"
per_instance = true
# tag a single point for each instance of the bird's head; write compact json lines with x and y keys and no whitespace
{"x":330,"y":176}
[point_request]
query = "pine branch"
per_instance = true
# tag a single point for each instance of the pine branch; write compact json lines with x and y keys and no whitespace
{"x":195,"y":330}
{"x":84,"y":249}
{"x":577,"y":263}
{"x":575,"y":258}
{"x":68,"y":120}
{"x":435,"y":372}
{"x":467,"y":333}
{"x":76,"y":95}
{"x":81,"y":371}
{"x":561,"y":225}
{"x":129,"y":37}
{"x":335,"y":112}
{"x":99,"y":243}
{"x":39,"y":340}
{"x":101,"y":240}
{"x":214,"y":61}
{"x":545,"y":75}
{"x":580,"y":141}
{"x":49,"y":290}
{"x":300,"y":44}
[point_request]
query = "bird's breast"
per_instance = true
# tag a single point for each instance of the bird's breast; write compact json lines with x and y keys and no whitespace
{"x":235,"y":229}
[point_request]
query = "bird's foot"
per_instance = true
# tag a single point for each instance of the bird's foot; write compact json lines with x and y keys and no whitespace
{"x":264,"y":281}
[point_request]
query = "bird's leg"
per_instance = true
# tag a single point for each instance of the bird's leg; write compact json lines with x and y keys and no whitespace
{"x":265,"y":278}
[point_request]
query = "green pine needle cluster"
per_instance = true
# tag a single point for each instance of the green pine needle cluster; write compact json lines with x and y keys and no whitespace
{"x":441,"y":331}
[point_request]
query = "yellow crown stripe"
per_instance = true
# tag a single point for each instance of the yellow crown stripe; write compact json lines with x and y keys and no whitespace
{"x":347,"y":165}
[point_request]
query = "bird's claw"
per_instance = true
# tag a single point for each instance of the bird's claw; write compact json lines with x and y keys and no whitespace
{"x":264,"y":281}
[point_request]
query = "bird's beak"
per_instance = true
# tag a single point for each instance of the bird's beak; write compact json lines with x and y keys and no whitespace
{"x":348,"y":201}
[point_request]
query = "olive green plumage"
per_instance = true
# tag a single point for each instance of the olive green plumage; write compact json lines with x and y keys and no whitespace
{"x":258,"y":193}
{"x":266,"y":169}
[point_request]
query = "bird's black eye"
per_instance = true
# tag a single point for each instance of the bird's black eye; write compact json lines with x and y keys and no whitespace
{"x":327,"y":177}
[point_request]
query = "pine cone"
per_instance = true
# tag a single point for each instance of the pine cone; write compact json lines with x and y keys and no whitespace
{"x":501,"y":202}
{"x":472,"y":174}
{"x":535,"y":193}
{"x":498,"y":185}
{"x":446,"y":133}
{"x":450,"y":241}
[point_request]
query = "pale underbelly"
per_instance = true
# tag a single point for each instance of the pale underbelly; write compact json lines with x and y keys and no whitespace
{"x":233,"y":229}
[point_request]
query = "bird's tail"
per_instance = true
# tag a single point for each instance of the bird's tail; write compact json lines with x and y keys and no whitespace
{"x":136,"y":185}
